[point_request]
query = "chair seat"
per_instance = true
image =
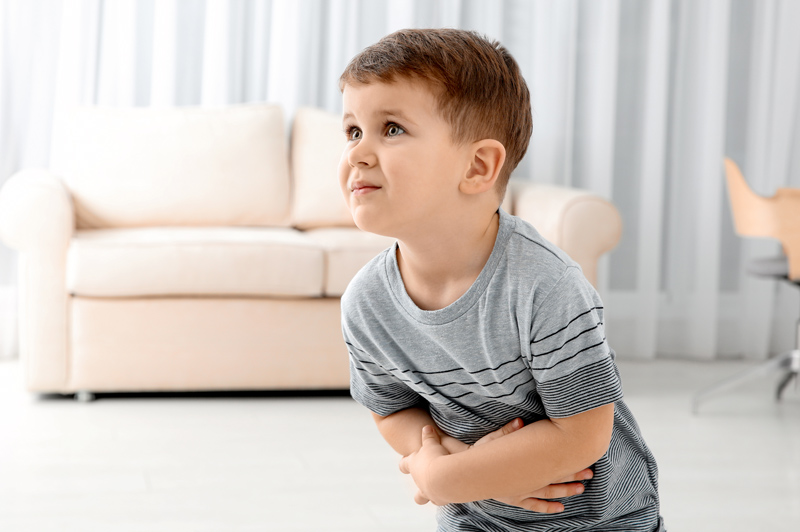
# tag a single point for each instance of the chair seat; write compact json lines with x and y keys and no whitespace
{"x":250,"y":261}
{"x":777,"y":267}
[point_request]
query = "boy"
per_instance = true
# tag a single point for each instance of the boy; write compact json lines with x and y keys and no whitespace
{"x":472,"y":323}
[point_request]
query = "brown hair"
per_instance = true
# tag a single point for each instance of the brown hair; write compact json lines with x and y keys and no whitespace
{"x":478,"y":86}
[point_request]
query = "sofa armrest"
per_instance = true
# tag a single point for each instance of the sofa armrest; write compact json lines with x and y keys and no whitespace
{"x":36,"y":212}
{"x":579,"y":222}
{"x":37,"y":218}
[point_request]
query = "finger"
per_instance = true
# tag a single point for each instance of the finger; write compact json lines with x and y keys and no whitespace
{"x":558,"y":491}
{"x":421,"y":499}
{"x":586,"y":474}
{"x":404,"y":465}
{"x":430,"y":436}
{"x":508,"y":428}
{"x":542,"y":507}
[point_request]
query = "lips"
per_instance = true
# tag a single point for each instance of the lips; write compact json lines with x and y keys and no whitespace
{"x":359,"y":188}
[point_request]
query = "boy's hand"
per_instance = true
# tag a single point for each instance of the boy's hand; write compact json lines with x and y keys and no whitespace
{"x":454,"y":445}
{"x":418,"y":464}
{"x":535,"y":500}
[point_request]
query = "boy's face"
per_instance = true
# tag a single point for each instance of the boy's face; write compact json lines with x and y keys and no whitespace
{"x":400,"y":170}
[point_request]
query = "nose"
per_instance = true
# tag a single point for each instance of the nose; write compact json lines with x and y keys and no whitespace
{"x":362,"y":154}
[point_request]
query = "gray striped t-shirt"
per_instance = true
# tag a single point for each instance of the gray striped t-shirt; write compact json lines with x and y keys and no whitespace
{"x":526,"y":340}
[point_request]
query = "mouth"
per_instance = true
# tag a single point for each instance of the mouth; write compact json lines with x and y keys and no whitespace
{"x":362,"y":188}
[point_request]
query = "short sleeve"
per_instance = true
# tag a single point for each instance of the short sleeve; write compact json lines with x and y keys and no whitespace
{"x":376,"y":387}
{"x":571,"y":361}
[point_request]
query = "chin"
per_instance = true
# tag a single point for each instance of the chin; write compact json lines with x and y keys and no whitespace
{"x":371,"y":224}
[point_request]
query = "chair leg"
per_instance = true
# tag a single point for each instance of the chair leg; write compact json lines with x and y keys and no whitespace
{"x":793,"y":367}
{"x":772,"y":365}
{"x":784,"y":383}
{"x":789,"y":361}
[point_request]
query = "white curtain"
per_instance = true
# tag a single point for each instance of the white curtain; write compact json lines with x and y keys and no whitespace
{"x":637,"y":100}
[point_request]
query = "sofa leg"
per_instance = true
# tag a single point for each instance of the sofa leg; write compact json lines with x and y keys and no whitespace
{"x":84,"y":396}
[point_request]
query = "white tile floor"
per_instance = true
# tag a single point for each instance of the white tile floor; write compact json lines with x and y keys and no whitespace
{"x":173,"y":464}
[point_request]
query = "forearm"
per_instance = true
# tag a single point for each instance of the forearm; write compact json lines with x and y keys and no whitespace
{"x":402,"y":430}
{"x":530,"y":458}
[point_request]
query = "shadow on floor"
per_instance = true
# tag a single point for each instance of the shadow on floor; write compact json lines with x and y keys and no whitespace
{"x":224,"y":394}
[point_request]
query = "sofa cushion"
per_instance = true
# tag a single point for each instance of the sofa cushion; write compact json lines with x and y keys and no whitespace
{"x":347,"y":250}
{"x":317,"y":146}
{"x":276,"y":262}
{"x":185,"y":166}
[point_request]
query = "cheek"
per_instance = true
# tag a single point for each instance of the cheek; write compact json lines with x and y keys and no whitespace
{"x":344,"y":174}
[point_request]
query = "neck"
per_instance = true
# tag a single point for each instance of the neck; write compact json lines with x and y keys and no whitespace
{"x":440,"y":265}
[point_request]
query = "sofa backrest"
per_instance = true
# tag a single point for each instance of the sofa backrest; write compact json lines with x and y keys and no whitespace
{"x":317,"y":146}
{"x":186,"y":166}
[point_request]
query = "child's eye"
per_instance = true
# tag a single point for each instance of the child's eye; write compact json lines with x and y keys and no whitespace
{"x":352,"y":133}
{"x":393,"y":130}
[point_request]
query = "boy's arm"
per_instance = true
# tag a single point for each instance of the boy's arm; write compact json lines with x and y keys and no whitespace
{"x":529,"y":458}
{"x":402,"y":430}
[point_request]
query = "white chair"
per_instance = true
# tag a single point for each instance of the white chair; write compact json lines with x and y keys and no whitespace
{"x":776,"y":217}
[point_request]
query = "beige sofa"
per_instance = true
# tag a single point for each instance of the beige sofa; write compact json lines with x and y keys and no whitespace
{"x":190,"y":249}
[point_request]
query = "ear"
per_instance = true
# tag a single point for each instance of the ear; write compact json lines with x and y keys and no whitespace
{"x":486,"y":160}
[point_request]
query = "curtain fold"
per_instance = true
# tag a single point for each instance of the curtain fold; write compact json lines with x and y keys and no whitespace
{"x":163,"y":76}
{"x":636,"y":100}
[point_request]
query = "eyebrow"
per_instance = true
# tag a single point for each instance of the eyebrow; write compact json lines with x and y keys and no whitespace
{"x":386,"y":112}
